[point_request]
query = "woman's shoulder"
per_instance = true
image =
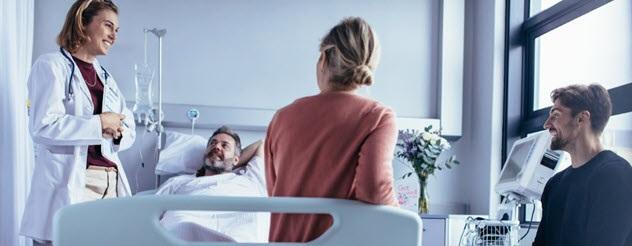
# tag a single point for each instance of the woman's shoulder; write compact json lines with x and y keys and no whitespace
{"x":52,"y":58}
{"x":340,"y":100}
{"x":373,"y":106}
{"x":298,"y":103}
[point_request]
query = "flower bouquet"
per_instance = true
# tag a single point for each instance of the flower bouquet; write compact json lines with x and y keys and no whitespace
{"x":422,"y":149}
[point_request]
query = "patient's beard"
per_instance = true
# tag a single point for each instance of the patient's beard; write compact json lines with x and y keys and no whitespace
{"x":219,"y":166}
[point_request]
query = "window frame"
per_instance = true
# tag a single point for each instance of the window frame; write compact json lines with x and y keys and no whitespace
{"x":521,"y":32}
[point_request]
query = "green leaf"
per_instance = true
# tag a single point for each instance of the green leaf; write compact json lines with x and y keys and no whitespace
{"x":437,"y":150}
{"x":430,"y":153}
{"x":448,"y":166}
{"x":427,"y":160}
{"x":406,"y":175}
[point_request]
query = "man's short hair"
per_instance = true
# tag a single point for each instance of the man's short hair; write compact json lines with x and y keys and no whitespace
{"x":226,"y":130}
{"x":593,"y":98}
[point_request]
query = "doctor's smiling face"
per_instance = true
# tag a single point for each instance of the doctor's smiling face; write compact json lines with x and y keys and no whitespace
{"x":221,"y":155}
{"x":102,"y":31}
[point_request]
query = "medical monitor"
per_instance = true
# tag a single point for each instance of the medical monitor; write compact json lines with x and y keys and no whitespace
{"x":529,"y":166}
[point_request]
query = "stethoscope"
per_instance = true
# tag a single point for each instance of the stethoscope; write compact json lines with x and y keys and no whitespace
{"x":70,"y":93}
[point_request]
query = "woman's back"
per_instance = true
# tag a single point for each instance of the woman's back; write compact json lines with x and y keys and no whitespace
{"x":335,"y":144}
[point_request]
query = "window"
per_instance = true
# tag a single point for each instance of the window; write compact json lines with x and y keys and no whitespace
{"x":618,"y":135}
{"x":554,"y":43}
{"x":595,"y":47}
{"x":538,"y":5}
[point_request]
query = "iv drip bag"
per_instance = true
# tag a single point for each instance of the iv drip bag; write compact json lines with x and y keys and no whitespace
{"x":143,"y":78}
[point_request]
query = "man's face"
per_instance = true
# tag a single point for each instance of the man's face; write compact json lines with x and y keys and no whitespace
{"x":220,"y":153}
{"x":562,"y":126}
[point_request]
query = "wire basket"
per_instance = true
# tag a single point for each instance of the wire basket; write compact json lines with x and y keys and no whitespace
{"x":483,"y":232}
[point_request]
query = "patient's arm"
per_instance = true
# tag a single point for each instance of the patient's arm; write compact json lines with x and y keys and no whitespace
{"x":252,"y":150}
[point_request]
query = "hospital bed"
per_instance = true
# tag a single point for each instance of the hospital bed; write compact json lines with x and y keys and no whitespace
{"x":135,"y":220}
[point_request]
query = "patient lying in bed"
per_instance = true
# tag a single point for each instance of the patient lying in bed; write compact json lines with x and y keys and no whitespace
{"x":223,"y":174}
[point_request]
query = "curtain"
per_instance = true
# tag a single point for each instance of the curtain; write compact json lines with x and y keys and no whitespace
{"x":16,"y":151}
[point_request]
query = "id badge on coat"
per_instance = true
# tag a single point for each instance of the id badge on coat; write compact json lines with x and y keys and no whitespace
{"x":112,"y":100}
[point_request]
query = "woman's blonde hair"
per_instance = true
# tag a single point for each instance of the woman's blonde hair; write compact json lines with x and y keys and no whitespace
{"x":351,"y":52}
{"x":73,"y":34}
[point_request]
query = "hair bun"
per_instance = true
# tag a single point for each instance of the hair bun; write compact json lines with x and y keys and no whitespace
{"x":362,"y":75}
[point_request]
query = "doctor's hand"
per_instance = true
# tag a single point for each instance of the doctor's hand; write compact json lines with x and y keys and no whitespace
{"x":112,"y":124}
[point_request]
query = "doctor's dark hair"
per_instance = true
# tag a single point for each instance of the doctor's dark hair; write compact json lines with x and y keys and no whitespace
{"x":73,"y":33}
{"x":351,"y":51}
{"x":593,"y":98}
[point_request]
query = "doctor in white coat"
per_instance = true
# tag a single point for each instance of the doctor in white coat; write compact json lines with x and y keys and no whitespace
{"x":78,"y":120}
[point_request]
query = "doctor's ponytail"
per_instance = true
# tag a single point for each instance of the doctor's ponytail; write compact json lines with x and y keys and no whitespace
{"x":73,"y":34}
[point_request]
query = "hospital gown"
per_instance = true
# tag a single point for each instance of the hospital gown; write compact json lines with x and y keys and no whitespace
{"x":247,"y":181}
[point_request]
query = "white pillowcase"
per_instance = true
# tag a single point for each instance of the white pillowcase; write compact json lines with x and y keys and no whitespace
{"x":182,"y":154}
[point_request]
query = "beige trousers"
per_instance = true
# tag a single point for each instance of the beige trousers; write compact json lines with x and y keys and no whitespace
{"x":101,"y":183}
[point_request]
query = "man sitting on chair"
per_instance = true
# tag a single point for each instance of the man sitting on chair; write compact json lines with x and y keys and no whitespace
{"x":588,"y":203}
{"x":227,"y":171}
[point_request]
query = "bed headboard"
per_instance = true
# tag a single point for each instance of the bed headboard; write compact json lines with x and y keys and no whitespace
{"x":135,"y":220}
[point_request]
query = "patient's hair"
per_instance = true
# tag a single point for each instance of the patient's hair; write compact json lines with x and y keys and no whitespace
{"x":352,"y":52}
{"x":226,"y":130}
{"x":593,"y":98}
{"x":73,"y":34}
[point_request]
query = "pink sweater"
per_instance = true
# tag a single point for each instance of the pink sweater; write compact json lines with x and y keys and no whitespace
{"x":334,"y":144}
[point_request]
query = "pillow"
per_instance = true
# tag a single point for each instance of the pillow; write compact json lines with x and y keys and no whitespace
{"x":182,"y":154}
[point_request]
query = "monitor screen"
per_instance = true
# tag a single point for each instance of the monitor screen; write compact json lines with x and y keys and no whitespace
{"x":516,"y":162}
{"x":528,"y":167}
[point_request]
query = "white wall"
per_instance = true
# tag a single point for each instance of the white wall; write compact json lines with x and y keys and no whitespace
{"x":480,"y":147}
{"x":468,"y":188}
{"x":262,"y":54}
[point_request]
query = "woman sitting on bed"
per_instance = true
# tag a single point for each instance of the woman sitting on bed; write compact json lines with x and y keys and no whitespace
{"x":223,"y":174}
{"x":335,"y":144}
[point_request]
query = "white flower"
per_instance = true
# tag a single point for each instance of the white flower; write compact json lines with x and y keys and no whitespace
{"x":434,"y":137}
{"x":426,"y":136}
{"x":445,"y":144}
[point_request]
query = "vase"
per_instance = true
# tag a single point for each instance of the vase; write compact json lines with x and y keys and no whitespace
{"x":423,"y":195}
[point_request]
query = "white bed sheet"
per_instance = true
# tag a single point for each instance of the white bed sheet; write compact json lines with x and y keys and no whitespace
{"x":248,"y":181}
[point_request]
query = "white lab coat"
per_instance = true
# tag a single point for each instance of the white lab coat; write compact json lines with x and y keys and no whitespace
{"x":62,"y":130}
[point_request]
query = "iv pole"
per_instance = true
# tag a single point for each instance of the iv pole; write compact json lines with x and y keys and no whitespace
{"x":160,"y":33}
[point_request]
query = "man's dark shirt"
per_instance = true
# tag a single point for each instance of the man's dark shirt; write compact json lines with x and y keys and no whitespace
{"x":589,"y":205}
